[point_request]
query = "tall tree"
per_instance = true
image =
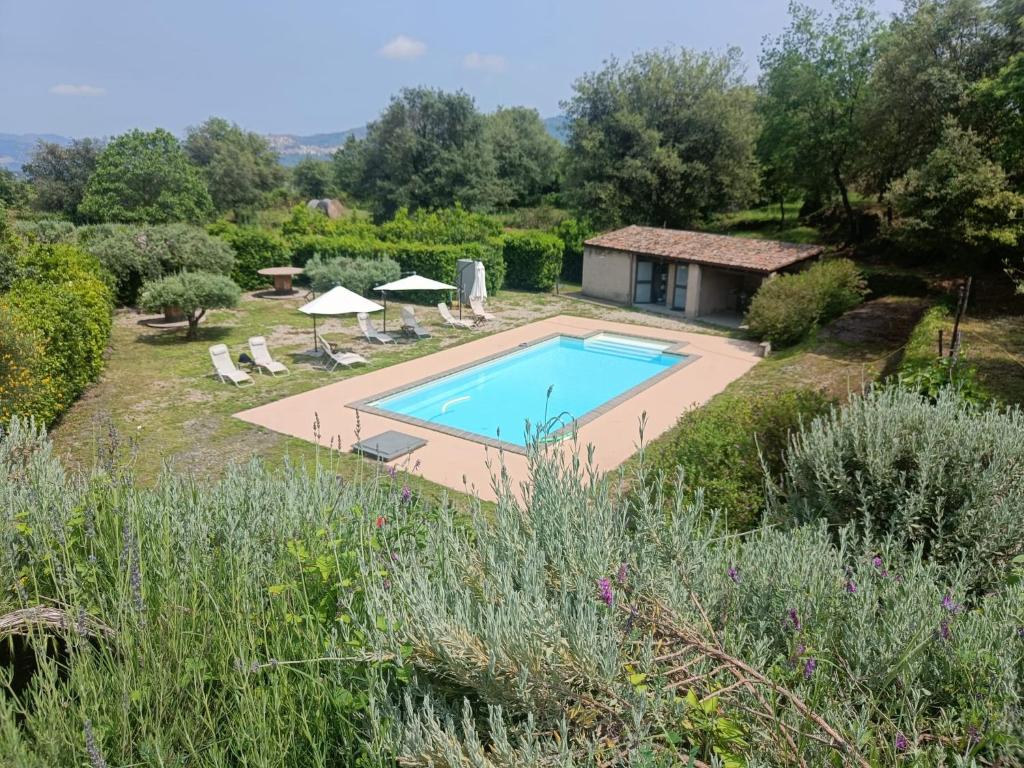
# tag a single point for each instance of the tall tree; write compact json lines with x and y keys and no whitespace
{"x":929,"y":58}
{"x":312,"y":177}
{"x":426,"y":150}
{"x":665,"y":138}
{"x":12,"y":190}
{"x":347,"y":165}
{"x":526,"y":156}
{"x":239,"y":166}
{"x":59,"y":175}
{"x":814,"y":86}
{"x":145,"y":177}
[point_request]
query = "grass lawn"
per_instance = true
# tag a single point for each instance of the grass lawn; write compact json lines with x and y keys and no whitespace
{"x":158,"y":392}
{"x":763,"y":224}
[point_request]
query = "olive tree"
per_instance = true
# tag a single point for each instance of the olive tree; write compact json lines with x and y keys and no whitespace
{"x":193,"y":293}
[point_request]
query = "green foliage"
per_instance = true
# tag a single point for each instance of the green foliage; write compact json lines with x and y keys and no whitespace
{"x":725,"y":448}
{"x":813,"y":89}
{"x":13,"y":191}
{"x":46,"y":230}
{"x":145,"y":178}
{"x":59,"y":175}
{"x":942,"y":475}
{"x":58,"y":314}
{"x":786,"y":309}
{"x":533,"y":260}
{"x":358,"y":275}
{"x":312,"y":178}
{"x":450,"y":226}
{"x":572,"y":233}
{"x":957,"y":199}
{"x":307,"y":221}
{"x":239,"y":166}
{"x":923,"y":370}
{"x":191,"y":292}
{"x":254,"y":249}
{"x":426,"y":150}
{"x":232,"y":630}
{"x":664,"y":139}
{"x":134,"y":255}
{"x":526,"y":156}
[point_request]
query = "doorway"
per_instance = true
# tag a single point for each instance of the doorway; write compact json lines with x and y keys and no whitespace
{"x":651,"y":283}
{"x":679,"y":289}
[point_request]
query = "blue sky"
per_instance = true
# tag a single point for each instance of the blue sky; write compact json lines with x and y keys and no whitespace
{"x":96,"y":67}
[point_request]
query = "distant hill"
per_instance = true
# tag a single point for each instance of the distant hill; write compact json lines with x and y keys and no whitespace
{"x":16,"y":148}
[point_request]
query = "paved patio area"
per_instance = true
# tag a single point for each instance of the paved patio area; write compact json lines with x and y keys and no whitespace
{"x":463,"y":464}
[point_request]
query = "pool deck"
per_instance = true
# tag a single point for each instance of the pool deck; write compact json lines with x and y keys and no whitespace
{"x":466,"y":464}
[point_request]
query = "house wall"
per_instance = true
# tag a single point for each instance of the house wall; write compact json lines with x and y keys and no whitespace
{"x":608,"y":275}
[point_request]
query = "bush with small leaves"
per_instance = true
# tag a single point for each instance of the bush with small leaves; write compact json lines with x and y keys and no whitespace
{"x":254,"y":249}
{"x":358,"y":275}
{"x":533,"y":260}
{"x":193,"y":293}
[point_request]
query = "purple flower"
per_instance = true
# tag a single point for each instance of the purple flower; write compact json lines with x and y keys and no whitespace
{"x":973,"y":737}
{"x":876,"y":561}
{"x":949,"y":604}
{"x":392,"y":471}
{"x":901,"y":742}
{"x":604,"y":590}
{"x":96,"y":759}
{"x":734,"y":574}
{"x":851,"y":587}
{"x":944,"y":630}
{"x":394,"y":557}
{"x":792,"y":618}
{"x":809,"y":668}
{"x":620,"y":577}
{"x":406,"y":494}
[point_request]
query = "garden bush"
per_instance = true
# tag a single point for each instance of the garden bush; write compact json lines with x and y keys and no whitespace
{"x":944,"y":476}
{"x":134,"y":255}
{"x":254,"y":249}
{"x":359,"y":275}
{"x":451,"y":226}
{"x":533,"y":260}
{"x":572,"y":233}
{"x":787,"y":309}
{"x":57,"y":311}
{"x":46,"y":230}
{"x":725,"y":447}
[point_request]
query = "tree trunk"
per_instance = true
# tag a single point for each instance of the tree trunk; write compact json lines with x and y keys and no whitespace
{"x":845,"y":195}
{"x":193,"y":324}
{"x":782,"y":212}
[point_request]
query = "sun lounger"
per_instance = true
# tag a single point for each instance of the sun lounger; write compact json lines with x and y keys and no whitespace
{"x":448,"y":318}
{"x":478,"y":310}
{"x":412,"y":325}
{"x":262,"y":359}
{"x":371,"y":333}
{"x":334,"y":357}
{"x":225,"y":368}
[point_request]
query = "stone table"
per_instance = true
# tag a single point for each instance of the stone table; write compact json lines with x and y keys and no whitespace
{"x":282,"y":278}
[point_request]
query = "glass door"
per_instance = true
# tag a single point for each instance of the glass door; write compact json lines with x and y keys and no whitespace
{"x":644,"y":282}
{"x":679,"y":294}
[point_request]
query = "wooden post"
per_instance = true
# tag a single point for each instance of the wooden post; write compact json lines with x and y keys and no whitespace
{"x":961,"y":308}
{"x":940,"y":343}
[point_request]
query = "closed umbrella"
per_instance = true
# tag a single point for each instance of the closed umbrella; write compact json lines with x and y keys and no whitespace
{"x":479,"y":292}
{"x":337,"y":301}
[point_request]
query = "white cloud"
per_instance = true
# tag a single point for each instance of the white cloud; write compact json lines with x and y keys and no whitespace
{"x":403,"y":47}
{"x":64,"y":89}
{"x":485,"y":62}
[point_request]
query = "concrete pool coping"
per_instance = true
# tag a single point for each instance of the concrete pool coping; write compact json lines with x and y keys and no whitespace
{"x":465,"y":461}
{"x":366,"y":405}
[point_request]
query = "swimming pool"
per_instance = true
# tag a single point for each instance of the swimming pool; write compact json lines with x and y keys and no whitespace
{"x":549,"y":384}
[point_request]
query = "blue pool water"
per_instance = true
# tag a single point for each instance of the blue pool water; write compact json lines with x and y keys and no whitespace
{"x":496,"y":398}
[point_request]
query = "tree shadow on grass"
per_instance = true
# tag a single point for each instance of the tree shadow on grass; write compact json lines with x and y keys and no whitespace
{"x":210,"y":335}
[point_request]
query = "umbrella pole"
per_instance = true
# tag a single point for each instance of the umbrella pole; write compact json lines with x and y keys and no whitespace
{"x":316,"y":339}
{"x":385,"y":295}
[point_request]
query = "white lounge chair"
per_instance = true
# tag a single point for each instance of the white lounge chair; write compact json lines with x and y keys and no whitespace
{"x":448,"y":318}
{"x":224,"y":367}
{"x":337,"y":357}
{"x":412,"y":325}
{"x":477,"y":305}
{"x":261,"y":357}
{"x":371,"y":333}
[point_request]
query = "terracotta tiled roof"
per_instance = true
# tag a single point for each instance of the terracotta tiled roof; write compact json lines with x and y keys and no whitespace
{"x":703,"y":248}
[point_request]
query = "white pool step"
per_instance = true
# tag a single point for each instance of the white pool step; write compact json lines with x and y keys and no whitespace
{"x":620,"y":349}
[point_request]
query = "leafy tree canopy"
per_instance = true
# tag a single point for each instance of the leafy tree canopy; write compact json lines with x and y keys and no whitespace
{"x":192,"y":292}
{"x":312,"y":178}
{"x":526,"y":156}
{"x":59,"y":175}
{"x":664,"y":138}
{"x":239,"y":166}
{"x":146,"y":177}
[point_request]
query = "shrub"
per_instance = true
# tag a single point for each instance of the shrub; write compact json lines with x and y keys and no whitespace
{"x":451,"y":226}
{"x":306,"y":221}
{"x":193,"y":293}
{"x":47,"y":230}
{"x":787,"y":309}
{"x":254,"y":249}
{"x":134,"y":255}
{"x":725,"y":447}
{"x":359,"y":275}
{"x":944,"y":476}
{"x":924,"y":371}
{"x":533,"y":260}
{"x":58,"y":311}
{"x":572,"y":233}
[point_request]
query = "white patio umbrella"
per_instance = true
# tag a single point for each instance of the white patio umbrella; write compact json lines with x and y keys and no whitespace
{"x":410,"y":283}
{"x":479,"y":291}
{"x":337,"y":301}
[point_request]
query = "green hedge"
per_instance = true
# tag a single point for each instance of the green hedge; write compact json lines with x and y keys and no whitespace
{"x":533,"y":260}
{"x":785,"y":310}
{"x":359,"y":275}
{"x":721,"y":446}
{"x":254,"y":249}
{"x":446,"y":226}
{"x":56,"y":320}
